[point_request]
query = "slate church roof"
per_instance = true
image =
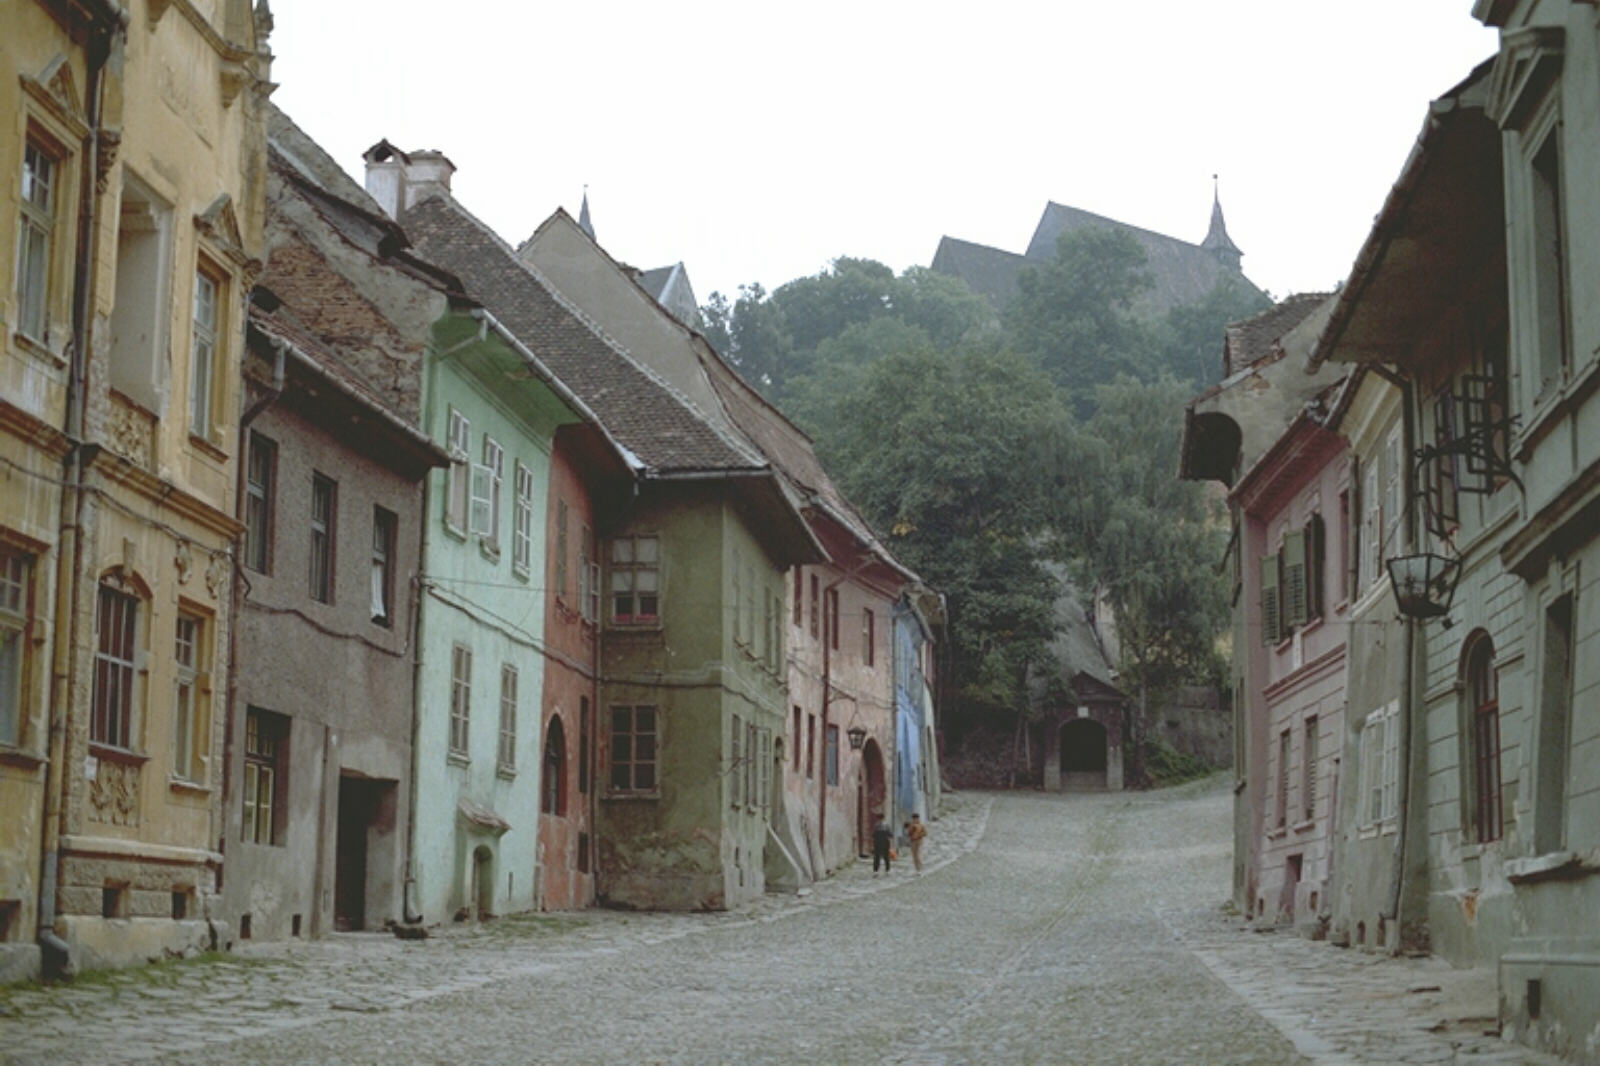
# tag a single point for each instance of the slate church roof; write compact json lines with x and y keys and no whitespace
{"x":1180,"y":272}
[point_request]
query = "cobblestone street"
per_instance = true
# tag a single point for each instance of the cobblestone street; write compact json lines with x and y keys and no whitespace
{"x":1082,"y":929}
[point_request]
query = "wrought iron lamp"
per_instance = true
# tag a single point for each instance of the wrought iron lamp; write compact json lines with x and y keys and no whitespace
{"x":857,"y":736}
{"x":1424,"y":584}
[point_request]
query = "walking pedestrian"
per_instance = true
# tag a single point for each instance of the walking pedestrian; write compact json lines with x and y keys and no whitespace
{"x":916,"y":832}
{"x":882,"y":837}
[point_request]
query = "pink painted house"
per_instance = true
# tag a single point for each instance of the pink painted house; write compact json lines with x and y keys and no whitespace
{"x":1295,"y":506}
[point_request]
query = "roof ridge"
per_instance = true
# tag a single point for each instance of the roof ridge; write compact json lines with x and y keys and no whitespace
{"x":1048,"y":204}
{"x":743,"y":448}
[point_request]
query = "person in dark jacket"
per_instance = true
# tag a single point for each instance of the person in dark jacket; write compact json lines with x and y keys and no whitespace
{"x":882,"y":837}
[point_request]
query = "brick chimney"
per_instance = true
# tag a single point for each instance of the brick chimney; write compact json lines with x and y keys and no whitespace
{"x":399,"y":179}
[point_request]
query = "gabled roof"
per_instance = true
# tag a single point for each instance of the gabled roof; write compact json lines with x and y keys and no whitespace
{"x":640,"y":411}
{"x":1180,"y":272}
{"x":989,"y":272}
{"x":737,"y":406}
{"x":1250,"y":340}
{"x":671,"y":289}
{"x":298,"y":150}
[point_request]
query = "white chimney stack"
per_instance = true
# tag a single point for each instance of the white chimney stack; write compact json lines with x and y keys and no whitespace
{"x":399,"y":179}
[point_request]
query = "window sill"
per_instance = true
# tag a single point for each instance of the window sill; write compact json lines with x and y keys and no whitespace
{"x":1279,"y":833}
{"x":488,"y":549}
{"x":206,"y":448}
{"x":1301,"y":827}
{"x":1554,"y":866}
{"x":456,"y":758}
{"x":114,"y":754}
{"x":454,"y":531}
{"x":193,"y":788}
{"x":641,"y":628}
{"x":505,"y":773}
{"x":630,"y":797}
{"x":13,"y":756}
{"x":1550,"y":408}
{"x":25,"y":343}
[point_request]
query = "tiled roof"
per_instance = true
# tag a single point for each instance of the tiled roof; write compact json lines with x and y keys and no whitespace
{"x":1252,"y":339}
{"x":640,"y":411}
{"x":989,"y":272}
{"x":316,"y":165}
{"x":1180,"y":272}
{"x":306,"y":348}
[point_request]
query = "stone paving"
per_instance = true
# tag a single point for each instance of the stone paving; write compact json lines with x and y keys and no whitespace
{"x":1044,"y":929}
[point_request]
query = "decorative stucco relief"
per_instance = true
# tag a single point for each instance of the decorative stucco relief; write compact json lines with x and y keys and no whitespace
{"x":131,"y":432}
{"x":114,"y":794}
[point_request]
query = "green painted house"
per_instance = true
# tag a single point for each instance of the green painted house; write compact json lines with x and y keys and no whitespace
{"x":691,"y":582}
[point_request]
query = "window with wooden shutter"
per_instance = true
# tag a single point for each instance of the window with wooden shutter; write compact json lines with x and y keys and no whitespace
{"x":1271,"y":616}
{"x":1316,"y":566}
{"x":1294,"y":580}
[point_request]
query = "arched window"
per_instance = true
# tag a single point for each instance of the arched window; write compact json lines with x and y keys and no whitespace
{"x":554,"y":792}
{"x":1482,"y":728}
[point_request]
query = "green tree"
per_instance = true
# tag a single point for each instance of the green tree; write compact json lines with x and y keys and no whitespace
{"x":1191,"y":347}
{"x":941,"y":449}
{"x":777,"y":338}
{"x":1146,"y":540}
{"x":1077,"y":314}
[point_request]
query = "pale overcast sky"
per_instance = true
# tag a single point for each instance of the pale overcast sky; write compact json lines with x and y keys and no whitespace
{"x":756,"y":142}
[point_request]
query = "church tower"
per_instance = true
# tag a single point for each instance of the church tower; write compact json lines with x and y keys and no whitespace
{"x":1217,"y":241}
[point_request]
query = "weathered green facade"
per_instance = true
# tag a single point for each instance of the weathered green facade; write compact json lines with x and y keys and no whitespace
{"x":712,"y":666}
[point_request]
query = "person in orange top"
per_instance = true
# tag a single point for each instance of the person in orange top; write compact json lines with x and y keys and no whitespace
{"x":916,"y":832}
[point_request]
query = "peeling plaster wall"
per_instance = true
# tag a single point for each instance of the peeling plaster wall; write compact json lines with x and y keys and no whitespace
{"x":343,"y":681}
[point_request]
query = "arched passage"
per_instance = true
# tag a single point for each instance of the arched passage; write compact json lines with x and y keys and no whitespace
{"x":873,"y":795}
{"x":1083,"y":754}
{"x":482,"y":882}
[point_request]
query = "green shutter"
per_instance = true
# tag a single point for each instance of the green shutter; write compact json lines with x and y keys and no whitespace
{"x":1271,"y":616}
{"x":1294,"y":580}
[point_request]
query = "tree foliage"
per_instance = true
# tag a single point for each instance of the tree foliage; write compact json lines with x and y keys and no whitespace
{"x":773,"y":339}
{"x":980,"y":453}
{"x":1075,"y":315}
{"x":944,"y":450}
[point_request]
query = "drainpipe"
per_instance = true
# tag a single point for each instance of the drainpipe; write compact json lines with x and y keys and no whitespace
{"x":56,"y":953}
{"x":1410,"y":697}
{"x":408,"y":901}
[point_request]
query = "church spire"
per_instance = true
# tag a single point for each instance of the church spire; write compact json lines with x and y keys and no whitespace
{"x":1217,"y":241}
{"x":584,"y":222}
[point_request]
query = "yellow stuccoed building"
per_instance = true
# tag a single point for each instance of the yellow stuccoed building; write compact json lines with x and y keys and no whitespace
{"x":131,"y":192}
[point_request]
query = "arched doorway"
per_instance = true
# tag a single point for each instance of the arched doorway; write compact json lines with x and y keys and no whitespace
{"x":872,"y":795}
{"x":1083,"y":754}
{"x":482,"y":883}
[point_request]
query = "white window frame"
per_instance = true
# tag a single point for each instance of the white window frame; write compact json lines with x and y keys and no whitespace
{"x":36,"y":238}
{"x":16,"y":574}
{"x":1380,"y":769}
{"x":458,"y":442}
{"x":486,"y":479}
{"x":385,"y":534}
{"x":1393,"y":493}
{"x":506,"y":756}
{"x":629,"y":576}
{"x":203,"y":353}
{"x":1371,"y":527}
{"x":188,"y":762}
{"x":126,"y":669}
{"x":460,"y":700}
{"x":522,"y":520}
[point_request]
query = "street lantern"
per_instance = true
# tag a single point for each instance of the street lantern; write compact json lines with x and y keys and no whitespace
{"x":858,"y":737}
{"x":1424,"y":583}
